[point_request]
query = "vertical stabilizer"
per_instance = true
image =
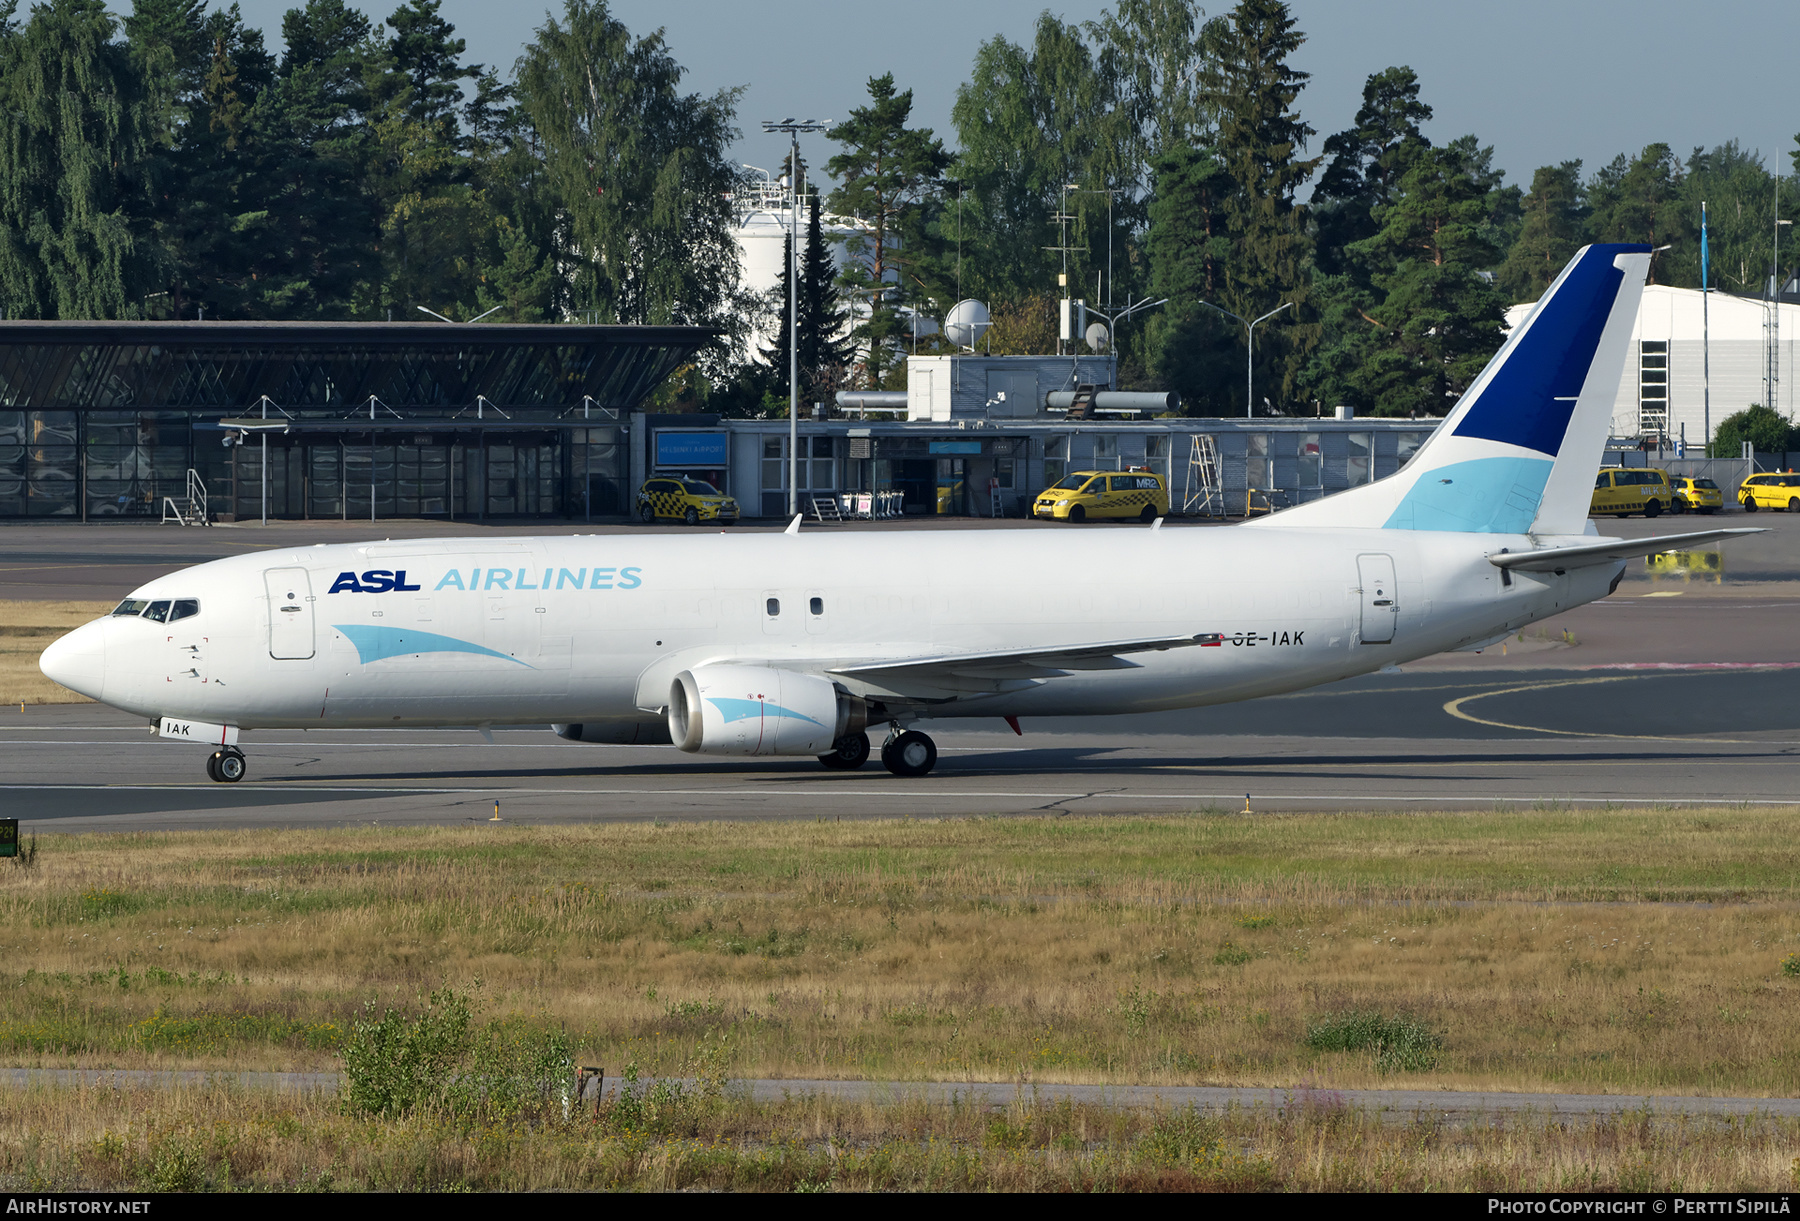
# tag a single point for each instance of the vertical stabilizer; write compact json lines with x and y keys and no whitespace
{"x":1517,"y":454}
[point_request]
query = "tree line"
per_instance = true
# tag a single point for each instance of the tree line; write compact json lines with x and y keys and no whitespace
{"x":169,"y":165}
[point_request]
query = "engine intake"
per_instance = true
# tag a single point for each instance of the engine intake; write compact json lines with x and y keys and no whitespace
{"x":758,"y":710}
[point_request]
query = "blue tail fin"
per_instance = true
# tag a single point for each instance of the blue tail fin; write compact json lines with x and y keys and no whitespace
{"x":1517,"y":454}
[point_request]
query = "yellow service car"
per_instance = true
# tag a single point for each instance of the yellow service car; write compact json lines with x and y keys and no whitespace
{"x":1697,"y":495}
{"x":1085,"y":494}
{"x":1780,"y":490}
{"x":687,"y":500}
{"x":1624,"y":492}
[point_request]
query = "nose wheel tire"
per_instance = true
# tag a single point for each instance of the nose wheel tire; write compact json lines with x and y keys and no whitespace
{"x":226,"y":766}
{"x":910,"y":754}
{"x":848,"y":753}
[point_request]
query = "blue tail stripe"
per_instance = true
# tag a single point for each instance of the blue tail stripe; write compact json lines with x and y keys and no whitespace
{"x":1483,"y":496}
{"x":1532,"y":395}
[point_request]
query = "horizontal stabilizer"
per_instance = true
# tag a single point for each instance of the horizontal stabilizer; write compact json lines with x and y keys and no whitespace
{"x":1560,"y":559}
{"x":1007,"y":662}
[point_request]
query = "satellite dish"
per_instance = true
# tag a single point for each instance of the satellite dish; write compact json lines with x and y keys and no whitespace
{"x":966,"y":323}
{"x":1097,"y":337}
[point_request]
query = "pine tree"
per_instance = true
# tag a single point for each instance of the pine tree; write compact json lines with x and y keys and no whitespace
{"x":1438,"y":320}
{"x":1253,"y":90}
{"x":886,"y":172}
{"x":1192,"y":349}
{"x":824,"y":351}
{"x":1643,"y":201}
{"x":427,"y":55}
{"x":1554,"y":228}
{"x":1367,"y":160}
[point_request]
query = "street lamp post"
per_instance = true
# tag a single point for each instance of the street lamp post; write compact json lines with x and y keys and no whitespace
{"x":793,"y":127}
{"x":1249,"y":349}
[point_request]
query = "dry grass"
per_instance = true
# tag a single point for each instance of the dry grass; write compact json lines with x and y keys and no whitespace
{"x":215,"y":1139}
{"x":26,"y":630}
{"x":1617,"y":951}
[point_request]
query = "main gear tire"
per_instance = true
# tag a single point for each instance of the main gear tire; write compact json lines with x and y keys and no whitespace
{"x":910,"y":754}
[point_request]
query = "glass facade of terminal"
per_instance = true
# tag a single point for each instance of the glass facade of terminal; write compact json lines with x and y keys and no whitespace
{"x":406,"y":420}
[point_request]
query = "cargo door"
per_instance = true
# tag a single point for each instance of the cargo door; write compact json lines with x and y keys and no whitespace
{"x":290,"y":613}
{"x":1380,"y":605}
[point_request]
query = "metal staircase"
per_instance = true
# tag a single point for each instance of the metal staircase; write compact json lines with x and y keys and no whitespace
{"x":188,"y":510}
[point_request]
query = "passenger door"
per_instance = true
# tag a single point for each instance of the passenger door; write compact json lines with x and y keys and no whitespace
{"x":1380,"y":603}
{"x":290,"y":613}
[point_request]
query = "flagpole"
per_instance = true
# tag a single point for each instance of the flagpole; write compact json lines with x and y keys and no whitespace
{"x":1705,"y":341}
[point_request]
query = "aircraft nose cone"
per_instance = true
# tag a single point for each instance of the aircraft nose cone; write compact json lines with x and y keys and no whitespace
{"x":78,"y":660}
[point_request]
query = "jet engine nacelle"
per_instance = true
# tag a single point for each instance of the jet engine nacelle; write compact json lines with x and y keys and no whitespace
{"x":617,"y":733}
{"x":756,"y":710}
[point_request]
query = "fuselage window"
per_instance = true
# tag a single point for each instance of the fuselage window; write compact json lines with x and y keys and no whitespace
{"x":774,"y":607}
{"x":159,"y":611}
{"x":818,"y":606}
{"x":131,"y":606}
{"x":184,"y":608}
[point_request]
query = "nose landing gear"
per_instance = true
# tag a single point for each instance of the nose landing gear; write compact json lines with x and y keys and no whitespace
{"x":226,"y":765}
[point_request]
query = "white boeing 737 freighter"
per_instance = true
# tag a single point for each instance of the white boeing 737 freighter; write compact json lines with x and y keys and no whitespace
{"x":799,"y":644}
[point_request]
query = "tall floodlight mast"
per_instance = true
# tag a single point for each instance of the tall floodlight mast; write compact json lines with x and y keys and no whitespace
{"x":793,"y":127}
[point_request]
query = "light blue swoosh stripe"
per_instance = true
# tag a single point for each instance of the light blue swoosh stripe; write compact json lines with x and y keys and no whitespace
{"x":375,"y":643}
{"x":1496,"y":495}
{"x":743,"y":710}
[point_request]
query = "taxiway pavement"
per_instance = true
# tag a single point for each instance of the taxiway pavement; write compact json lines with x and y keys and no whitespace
{"x":1676,"y":689}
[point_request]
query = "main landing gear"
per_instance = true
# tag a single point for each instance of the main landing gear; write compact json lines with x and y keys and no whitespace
{"x":226,"y":765}
{"x":909,"y":754}
{"x":904,"y":754}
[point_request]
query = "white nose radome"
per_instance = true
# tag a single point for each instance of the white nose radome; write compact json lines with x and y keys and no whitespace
{"x":78,"y":660}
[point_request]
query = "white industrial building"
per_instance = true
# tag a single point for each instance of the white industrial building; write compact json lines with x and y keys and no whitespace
{"x":1662,"y":392}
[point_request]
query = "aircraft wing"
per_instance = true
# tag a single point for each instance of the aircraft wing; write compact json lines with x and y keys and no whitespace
{"x":978,"y":671}
{"x":1560,"y":559}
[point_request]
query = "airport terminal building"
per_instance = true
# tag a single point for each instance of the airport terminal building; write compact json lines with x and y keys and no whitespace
{"x":373,"y":421}
{"x":349,"y":420}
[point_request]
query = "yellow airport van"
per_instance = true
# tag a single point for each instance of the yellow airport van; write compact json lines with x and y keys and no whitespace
{"x":1094,"y":494}
{"x":1622,"y":492}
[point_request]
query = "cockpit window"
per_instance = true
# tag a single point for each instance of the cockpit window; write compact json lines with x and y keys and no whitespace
{"x":159,"y":611}
{"x":184,"y":608}
{"x":131,"y":606}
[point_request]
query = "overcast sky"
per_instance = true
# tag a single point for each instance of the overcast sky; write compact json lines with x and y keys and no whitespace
{"x":1541,"y":80}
